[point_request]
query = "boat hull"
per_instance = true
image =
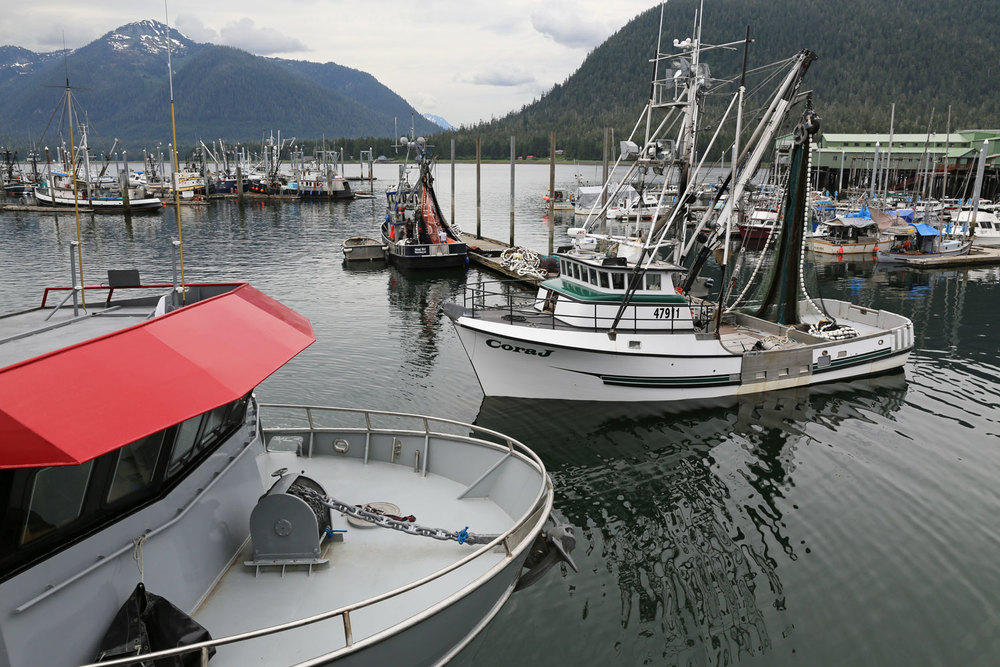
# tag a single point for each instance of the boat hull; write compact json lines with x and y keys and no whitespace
{"x":526,"y":362}
{"x":827,"y":247}
{"x":100,"y":205}
{"x":363,"y":249}
{"x":917,"y":257}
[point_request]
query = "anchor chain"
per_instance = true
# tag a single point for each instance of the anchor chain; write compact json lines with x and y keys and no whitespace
{"x":408,"y":527}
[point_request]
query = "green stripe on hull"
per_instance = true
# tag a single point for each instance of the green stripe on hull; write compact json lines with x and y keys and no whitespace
{"x":703,"y":381}
{"x":850,"y":361}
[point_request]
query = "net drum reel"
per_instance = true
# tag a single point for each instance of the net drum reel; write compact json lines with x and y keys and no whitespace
{"x":288,"y":525}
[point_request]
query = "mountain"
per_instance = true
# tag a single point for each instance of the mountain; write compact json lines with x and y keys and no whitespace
{"x":919,"y":54}
{"x":219,"y":92}
{"x":439,"y":121}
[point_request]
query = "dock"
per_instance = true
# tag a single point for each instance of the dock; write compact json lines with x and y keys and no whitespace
{"x":978,"y":256}
{"x":485,"y":252}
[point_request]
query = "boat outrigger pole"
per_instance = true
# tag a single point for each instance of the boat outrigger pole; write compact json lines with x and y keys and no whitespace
{"x":173,"y":126}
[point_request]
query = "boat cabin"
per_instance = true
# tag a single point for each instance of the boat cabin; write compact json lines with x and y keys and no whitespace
{"x":591,"y":288}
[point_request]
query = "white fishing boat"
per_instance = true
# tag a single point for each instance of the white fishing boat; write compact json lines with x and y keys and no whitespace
{"x":164,"y":514}
{"x":626,"y":322}
{"x":986,"y":229}
{"x":560,"y":199}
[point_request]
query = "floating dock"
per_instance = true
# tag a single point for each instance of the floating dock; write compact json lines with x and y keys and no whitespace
{"x":978,"y":256}
{"x":485,"y":252}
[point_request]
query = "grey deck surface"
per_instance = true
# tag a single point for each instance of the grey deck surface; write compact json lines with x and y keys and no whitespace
{"x":45,"y":337}
{"x":369,"y":561}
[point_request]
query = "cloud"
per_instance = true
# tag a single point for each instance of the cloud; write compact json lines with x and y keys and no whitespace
{"x":507,"y":77}
{"x":569,"y":30}
{"x":245,"y":35}
{"x":54,"y":37}
{"x":192,"y":27}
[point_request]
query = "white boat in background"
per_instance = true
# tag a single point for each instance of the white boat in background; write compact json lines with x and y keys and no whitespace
{"x":918,"y":241}
{"x":106,"y":198}
{"x":986,"y":231}
{"x":276,"y":534}
{"x":625,"y":322}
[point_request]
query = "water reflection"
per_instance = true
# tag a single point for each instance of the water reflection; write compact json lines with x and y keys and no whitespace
{"x":415,"y":300}
{"x":684,"y":508}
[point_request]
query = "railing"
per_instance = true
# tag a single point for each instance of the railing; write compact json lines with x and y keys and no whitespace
{"x":537,"y":513}
{"x":498,"y":296}
{"x":111,"y":290}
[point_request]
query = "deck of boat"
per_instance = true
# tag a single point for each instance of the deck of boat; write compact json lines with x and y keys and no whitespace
{"x":368,"y":562}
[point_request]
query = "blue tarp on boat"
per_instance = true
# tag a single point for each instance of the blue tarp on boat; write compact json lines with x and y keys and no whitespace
{"x":923,"y":229}
{"x":903,"y":214}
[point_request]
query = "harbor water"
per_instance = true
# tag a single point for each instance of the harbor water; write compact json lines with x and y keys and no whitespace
{"x":848,"y":524}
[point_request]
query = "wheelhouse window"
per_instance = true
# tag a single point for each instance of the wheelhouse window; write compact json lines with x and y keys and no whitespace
{"x":184,"y":444}
{"x":47,"y":509}
{"x":57,"y":496}
{"x":605,"y":280}
{"x":593,"y":276}
{"x":135,"y":467}
{"x":653,"y":282}
{"x":618,"y":280}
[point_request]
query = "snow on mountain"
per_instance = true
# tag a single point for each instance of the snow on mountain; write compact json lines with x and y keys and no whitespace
{"x":148,"y":37}
{"x":439,"y":121}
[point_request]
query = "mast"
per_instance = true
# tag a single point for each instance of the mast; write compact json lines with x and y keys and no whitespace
{"x":947,"y":148}
{"x":76,"y":197}
{"x":173,"y":126}
{"x":888,"y":157}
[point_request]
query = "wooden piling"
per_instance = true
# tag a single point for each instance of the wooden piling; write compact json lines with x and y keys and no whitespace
{"x":552,"y":188}
{"x":604,"y":191}
{"x":452,"y":180}
{"x":479,"y":192}
{"x":512,"y":191}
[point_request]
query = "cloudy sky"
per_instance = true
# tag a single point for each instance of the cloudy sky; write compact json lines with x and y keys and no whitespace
{"x":464,"y":61}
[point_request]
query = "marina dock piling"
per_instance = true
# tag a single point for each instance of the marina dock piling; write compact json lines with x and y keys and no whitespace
{"x":512,"y":154}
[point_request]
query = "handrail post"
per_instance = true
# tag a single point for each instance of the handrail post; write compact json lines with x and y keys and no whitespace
{"x":348,"y":635}
{"x":368,"y":434}
{"x":312,"y":430}
{"x":427,"y":446}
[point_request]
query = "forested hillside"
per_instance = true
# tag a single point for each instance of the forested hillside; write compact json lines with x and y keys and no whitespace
{"x":920,"y":54}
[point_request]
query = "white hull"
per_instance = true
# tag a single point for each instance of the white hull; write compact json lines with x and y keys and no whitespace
{"x":529,"y":362}
{"x":64,"y":199}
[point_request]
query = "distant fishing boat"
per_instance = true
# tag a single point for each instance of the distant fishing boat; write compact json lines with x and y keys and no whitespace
{"x":853,"y":233}
{"x":917,"y":241}
{"x":415,"y":229}
{"x":561,"y":199}
{"x":103,"y":197}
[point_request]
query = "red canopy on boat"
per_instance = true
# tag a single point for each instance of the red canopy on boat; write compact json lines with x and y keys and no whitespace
{"x":76,"y":403}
